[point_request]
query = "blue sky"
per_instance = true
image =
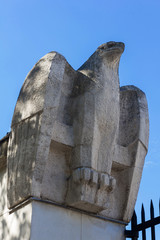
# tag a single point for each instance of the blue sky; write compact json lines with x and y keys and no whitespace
{"x":30,"y":29}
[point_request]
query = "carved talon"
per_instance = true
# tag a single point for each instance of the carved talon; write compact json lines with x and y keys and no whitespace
{"x":104,"y":181}
{"x":107,"y":182}
{"x":85,"y":175}
{"x":92,"y":177}
{"x":112,"y":183}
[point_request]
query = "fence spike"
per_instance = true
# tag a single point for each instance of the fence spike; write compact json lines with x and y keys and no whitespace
{"x":143,"y":222}
{"x":142,"y":212}
{"x":134,"y":224}
{"x":152,"y":217}
{"x":151,"y":210}
{"x":134,"y":220}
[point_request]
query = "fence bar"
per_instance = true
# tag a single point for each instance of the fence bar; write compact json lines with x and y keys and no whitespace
{"x":143,"y":221}
{"x":148,"y":224}
{"x":136,"y":228}
{"x":152,"y":217}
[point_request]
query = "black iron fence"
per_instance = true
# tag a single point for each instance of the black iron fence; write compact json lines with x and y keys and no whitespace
{"x":136,"y":228}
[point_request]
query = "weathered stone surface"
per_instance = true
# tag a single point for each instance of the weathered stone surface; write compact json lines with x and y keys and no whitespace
{"x":95,"y":122}
{"x":97,"y":110}
{"x":77,"y":138}
{"x":130,"y":152}
{"x":43,"y":103}
{"x":3,"y":151}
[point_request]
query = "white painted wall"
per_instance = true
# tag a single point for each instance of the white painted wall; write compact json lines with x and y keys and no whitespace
{"x":3,"y":191}
{"x":51,"y":222}
{"x":17,"y":225}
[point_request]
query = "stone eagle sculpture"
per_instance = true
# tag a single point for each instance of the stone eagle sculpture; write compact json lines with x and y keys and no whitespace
{"x":77,"y":138}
